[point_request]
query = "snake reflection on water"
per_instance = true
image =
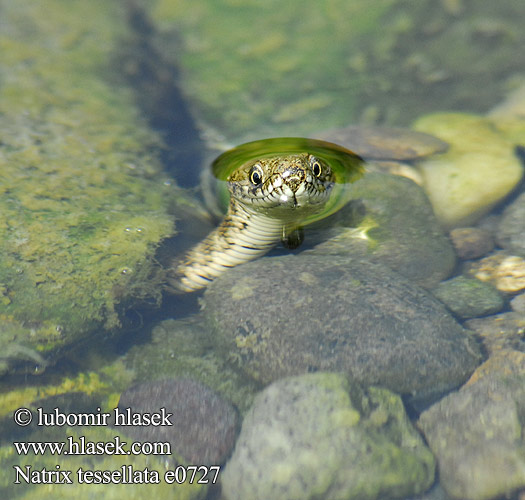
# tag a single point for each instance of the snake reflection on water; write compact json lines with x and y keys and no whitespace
{"x":271,"y":197}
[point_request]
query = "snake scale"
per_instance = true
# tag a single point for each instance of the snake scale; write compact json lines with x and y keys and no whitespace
{"x":275,"y":186}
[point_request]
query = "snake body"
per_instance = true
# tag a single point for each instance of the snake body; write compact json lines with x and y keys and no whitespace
{"x":271,"y":197}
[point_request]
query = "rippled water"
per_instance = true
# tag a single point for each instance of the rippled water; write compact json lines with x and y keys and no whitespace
{"x":107,"y":109}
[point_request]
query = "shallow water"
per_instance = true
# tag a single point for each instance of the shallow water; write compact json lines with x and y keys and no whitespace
{"x":107,"y":109}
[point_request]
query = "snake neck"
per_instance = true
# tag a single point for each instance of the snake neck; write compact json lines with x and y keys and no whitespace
{"x":243,"y":235}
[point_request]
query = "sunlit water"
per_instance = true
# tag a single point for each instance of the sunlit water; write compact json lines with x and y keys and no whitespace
{"x":400,"y":69}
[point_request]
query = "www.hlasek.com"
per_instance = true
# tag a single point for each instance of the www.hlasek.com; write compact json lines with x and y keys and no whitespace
{"x":125,"y":474}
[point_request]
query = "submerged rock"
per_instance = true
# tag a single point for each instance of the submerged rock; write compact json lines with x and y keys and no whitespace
{"x":505,"y":272}
{"x":295,"y":314}
{"x":469,"y":298}
{"x":511,"y":231}
{"x":471,"y":242}
{"x":83,"y":199}
{"x":500,"y":332}
{"x":518,"y":304}
{"x":385,"y":143}
{"x":320,"y":436}
{"x":203,"y":425}
{"x":185,"y":349}
{"x":397,"y":228}
{"x":478,"y":170}
{"x":476,"y":433}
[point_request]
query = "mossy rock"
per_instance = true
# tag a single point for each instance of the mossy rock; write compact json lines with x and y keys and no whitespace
{"x":469,"y":298}
{"x":322,"y":436}
{"x":83,"y":199}
{"x":148,"y":467}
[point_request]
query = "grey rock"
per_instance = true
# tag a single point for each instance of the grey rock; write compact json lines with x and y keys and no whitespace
{"x":204,"y":425}
{"x":385,"y":143}
{"x":502,"y":331}
{"x":319,"y":436}
{"x":469,"y":298}
{"x":490,"y":224}
{"x":518,"y":303}
{"x":289,"y":315}
{"x":435,"y":493}
{"x":476,"y":435}
{"x":398,"y":228}
{"x":511,"y":233}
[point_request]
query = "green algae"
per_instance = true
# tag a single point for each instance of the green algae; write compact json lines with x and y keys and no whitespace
{"x":277,"y":77}
{"x":322,"y":436}
{"x":186,"y":349}
{"x":102,"y":385}
{"x":83,"y":201}
{"x":469,"y":298}
{"x":254,"y":69}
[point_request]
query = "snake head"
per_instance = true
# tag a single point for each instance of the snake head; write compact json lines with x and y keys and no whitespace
{"x":300,"y":181}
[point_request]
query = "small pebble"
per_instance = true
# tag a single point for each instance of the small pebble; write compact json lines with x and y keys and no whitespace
{"x":471,"y":242}
{"x":505,"y":272}
{"x":469,"y":298}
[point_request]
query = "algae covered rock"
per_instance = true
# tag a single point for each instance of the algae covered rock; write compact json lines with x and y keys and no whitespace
{"x":185,"y":349}
{"x":469,"y":298}
{"x":271,"y":79}
{"x":134,"y":476}
{"x":295,"y":314}
{"x":304,"y":66}
{"x":320,"y":436}
{"x":478,"y":170}
{"x":83,"y":200}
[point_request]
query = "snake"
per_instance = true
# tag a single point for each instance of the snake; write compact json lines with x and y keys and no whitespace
{"x":275,"y":187}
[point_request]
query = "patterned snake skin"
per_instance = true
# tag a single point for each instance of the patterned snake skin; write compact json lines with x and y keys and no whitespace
{"x":269,"y":200}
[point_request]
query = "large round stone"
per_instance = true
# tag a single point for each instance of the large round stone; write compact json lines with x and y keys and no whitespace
{"x":319,"y":436}
{"x":303,"y":313}
{"x":477,"y":172}
{"x":398,"y":229}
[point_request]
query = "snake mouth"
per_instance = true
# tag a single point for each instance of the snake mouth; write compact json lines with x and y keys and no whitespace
{"x":289,"y":201}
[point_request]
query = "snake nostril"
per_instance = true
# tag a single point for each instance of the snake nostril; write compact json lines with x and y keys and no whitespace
{"x":293,"y":183}
{"x":293,"y":178}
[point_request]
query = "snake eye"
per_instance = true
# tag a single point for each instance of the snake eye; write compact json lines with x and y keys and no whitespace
{"x":256,"y":175}
{"x":316,"y":167}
